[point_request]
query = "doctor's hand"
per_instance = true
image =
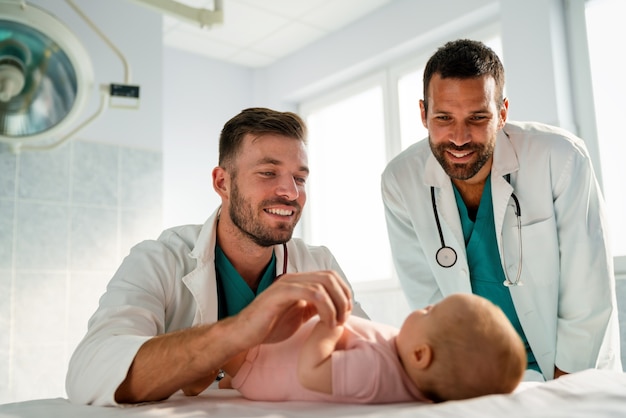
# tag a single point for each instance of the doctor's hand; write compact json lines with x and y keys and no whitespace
{"x":289,"y":302}
{"x":188,"y":359}
{"x":197,"y":387}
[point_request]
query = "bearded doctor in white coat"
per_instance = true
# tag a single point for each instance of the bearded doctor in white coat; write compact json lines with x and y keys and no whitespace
{"x":562,"y":297}
{"x":179,"y":307}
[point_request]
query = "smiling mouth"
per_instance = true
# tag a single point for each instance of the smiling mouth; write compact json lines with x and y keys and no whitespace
{"x":459,"y":154}
{"x":279,"y":212}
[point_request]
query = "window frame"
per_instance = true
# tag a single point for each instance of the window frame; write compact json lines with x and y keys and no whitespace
{"x":582,"y":90}
{"x":374,"y":79}
{"x":387,"y":77}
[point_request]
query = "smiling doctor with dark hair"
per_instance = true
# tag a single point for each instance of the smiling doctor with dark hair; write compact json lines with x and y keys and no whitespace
{"x":507,"y":210}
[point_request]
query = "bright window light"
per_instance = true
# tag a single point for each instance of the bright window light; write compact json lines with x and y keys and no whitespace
{"x":409,"y":95}
{"x":605,"y":26}
{"x":345,"y":210}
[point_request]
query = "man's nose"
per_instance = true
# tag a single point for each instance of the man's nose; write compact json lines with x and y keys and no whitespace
{"x":288,"y":188}
{"x":460,"y":134}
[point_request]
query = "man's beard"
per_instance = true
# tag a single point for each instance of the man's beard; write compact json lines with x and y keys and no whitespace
{"x":463,"y":171}
{"x":246,"y":219}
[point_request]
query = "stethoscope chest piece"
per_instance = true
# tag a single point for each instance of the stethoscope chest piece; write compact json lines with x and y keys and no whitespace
{"x":446,"y":256}
{"x":509,"y":283}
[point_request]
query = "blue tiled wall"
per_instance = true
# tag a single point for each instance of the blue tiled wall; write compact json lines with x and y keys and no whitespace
{"x":67,"y":218}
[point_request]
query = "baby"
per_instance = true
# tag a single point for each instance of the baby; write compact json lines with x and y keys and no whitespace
{"x":459,"y":348}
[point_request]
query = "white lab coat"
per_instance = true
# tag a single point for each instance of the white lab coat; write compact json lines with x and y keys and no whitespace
{"x":163,"y":285}
{"x":567,"y":305}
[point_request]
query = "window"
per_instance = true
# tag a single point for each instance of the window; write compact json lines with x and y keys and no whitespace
{"x":605,"y":26}
{"x":346,"y":156}
{"x":410,"y":91}
{"x":353,"y":132}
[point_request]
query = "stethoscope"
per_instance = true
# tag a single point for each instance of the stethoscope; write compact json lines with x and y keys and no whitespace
{"x":446,"y":256}
{"x":285,"y":258}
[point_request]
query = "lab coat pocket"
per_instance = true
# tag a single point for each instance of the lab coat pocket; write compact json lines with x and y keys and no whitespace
{"x":537,"y":248}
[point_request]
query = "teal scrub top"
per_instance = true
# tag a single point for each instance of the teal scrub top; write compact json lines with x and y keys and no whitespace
{"x":234,"y":294}
{"x":486,"y":274}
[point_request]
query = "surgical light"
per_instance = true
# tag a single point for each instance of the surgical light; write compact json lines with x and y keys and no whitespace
{"x":45,"y":75}
{"x":46,"y":78}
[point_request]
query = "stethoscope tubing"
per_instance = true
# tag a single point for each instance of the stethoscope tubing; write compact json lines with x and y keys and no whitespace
{"x":446,"y":256}
{"x":285,"y":258}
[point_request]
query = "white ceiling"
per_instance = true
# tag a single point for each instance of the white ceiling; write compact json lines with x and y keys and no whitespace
{"x":256,"y":33}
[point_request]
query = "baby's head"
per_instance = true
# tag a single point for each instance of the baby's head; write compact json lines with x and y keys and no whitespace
{"x":461,"y":347}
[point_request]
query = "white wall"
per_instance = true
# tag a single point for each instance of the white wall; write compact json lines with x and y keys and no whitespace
{"x":199,"y":96}
{"x":392,"y":32}
{"x":535,"y":51}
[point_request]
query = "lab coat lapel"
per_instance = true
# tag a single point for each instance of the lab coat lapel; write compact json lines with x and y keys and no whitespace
{"x":202,"y":281}
{"x":279,"y":252}
{"x":202,"y":284}
{"x":504,"y":163}
{"x":501,"y":199}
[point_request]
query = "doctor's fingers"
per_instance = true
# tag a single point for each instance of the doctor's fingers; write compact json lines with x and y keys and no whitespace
{"x":330,"y":279}
{"x":325,"y":290}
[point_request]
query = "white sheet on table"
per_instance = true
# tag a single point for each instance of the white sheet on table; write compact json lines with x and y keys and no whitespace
{"x":587,"y":394}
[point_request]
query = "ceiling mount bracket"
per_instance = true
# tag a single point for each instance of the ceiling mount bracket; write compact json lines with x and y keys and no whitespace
{"x":199,"y":16}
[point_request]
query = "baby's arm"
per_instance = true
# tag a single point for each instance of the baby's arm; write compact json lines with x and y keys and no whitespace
{"x":315,"y":360}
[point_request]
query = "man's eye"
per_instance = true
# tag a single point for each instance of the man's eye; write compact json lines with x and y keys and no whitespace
{"x":300,"y":180}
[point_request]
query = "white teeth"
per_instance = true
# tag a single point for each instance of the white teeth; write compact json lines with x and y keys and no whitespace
{"x":282,"y":212}
{"x":457,"y":155}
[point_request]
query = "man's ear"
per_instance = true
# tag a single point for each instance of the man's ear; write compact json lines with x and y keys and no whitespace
{"x":423,"y":113}
{"x":504,"y":112}
{"x":221,"y":181}
{"x":423,"y":356}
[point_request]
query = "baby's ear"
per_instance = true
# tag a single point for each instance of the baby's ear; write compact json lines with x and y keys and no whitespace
{"x":423,"y":356}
